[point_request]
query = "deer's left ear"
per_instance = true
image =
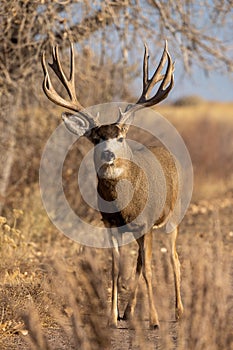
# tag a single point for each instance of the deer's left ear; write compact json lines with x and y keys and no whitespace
{"x":75,"y":123}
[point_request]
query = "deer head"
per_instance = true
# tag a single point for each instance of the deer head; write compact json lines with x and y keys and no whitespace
{"x":110,"y":139}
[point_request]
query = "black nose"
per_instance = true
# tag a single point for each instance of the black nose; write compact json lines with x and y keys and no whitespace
{"x":107,"y":156}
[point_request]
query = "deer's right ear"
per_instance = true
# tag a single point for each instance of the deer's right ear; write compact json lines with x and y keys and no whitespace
{"x":75,"y":123}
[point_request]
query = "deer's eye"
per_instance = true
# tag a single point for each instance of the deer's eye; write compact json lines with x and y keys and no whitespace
{"x":121,"y":139}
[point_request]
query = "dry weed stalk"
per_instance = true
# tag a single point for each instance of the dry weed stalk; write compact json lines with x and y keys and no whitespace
{"x":71,"y":293}
{"x":37,"y":340}
{"x":208,"y":295}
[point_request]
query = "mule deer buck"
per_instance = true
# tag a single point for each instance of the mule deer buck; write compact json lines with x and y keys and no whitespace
{"x":116,"y":160}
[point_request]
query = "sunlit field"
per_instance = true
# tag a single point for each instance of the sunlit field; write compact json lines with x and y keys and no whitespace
{"x":55,"y":293}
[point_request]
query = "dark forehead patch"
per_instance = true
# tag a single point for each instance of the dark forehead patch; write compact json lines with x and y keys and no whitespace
{"x":108,"y":131}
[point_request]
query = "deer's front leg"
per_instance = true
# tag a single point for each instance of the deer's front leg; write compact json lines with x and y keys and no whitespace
{"x":115,"y":282}
{"x":176,"y":270}
{"x":145,"y":248}
{"x":129,"y":311}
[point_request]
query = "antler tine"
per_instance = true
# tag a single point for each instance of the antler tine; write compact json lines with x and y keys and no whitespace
{"x":68,"y":83}
{"x":145,"y":67}
{"x":48,"y":88}
{"x":163,"y":91}
{"x":148,"y":84}
{"x":157,"y":76}
{"x":51,"y":93}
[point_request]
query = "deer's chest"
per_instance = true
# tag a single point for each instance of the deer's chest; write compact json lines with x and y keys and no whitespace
{"x":121,"y":202}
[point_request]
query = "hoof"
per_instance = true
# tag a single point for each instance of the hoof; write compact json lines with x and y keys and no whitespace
{"x":154,"y":327}
{"x":127,"y":316}
{"x":112,"y":324}
{"x":179,"y":312}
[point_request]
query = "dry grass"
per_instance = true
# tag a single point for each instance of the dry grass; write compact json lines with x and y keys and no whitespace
{"x":207,"y":131}
{"x":61,"y":296}
{"x":54,"y":295}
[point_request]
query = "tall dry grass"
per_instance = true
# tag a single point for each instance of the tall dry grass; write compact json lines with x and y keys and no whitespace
{"x":207,"y":130}
{"x":62,"y":301}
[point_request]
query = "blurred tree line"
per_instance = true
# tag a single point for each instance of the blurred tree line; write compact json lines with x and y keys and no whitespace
{"x":109,"y":37}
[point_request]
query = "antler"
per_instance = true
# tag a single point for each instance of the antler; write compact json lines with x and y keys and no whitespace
{"x":166,"y":78}
{"x":68,"y":83}
{"x":148,"y":84}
